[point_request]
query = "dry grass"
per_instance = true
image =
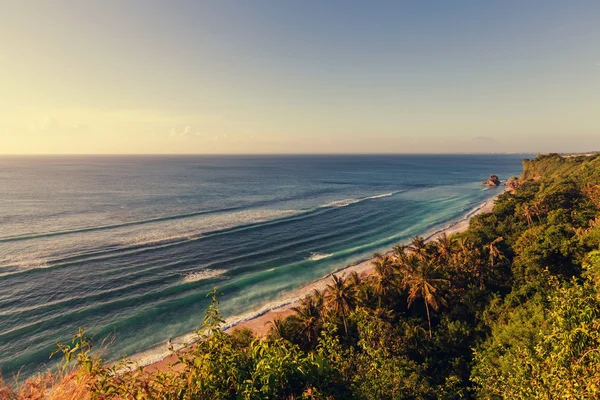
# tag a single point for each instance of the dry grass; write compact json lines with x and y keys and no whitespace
{"x":47,"y":386}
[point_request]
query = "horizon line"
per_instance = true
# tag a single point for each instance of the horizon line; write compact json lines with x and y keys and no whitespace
{"x":279,"y":154}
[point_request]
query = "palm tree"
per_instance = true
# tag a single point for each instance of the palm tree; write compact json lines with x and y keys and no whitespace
{"x":363,"y":293}
{"x":528,"y":213}
{"x":469,"y":259}
{"x":277,"y":328}
{"x":354,"y":280}
{"x":308,"y":315}
{"x":494,"y":252}
{"x":340,"y":296}
{"x":423,"y":280}
{"x":318,"y":298}
{"x":464,"y":253}
{"x":444,"y":246}
{"x":418,"y":246}
{"x":385,"y":276}
{"x":400,"y":252}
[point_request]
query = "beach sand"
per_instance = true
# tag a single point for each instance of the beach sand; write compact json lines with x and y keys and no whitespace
{"x":260,"y":323}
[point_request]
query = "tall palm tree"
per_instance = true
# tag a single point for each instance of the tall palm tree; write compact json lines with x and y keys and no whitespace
{"x":528,"y":213}
{"x":464,"y":253}
{"x":444,"y":246}
{"x":400,"y":252}
{"x":418,"y":246}
{"x":494,"y":252}
{"x":423,"y":280}
{"x":318,"y":298}
{"x":340,"y":297}
{"x":363,"y":293}
{"x":309,"y":315}
{"x":385,"y":277}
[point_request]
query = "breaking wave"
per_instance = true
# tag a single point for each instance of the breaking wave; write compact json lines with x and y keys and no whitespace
{"x":318,"y":256}
{"x":202,"y":275}
{"x":347,"y":202}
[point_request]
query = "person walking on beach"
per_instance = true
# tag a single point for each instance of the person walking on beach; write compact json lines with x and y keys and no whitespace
{"x":170,"y":344}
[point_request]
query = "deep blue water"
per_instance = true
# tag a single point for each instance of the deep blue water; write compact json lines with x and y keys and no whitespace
{"x":132,"y":244}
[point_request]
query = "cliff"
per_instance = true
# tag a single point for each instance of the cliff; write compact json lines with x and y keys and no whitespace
{"x":550,"y":167}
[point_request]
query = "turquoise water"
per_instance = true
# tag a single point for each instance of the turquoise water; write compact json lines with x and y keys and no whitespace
{"x":131,"y":245}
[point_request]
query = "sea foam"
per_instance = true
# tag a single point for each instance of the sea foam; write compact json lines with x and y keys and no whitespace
{"x":318,"y":256}
{"x":202,"y":275}
{"x":347,"y":202}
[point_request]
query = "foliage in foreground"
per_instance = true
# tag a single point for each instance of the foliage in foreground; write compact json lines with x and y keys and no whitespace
{"x":507,"y":309}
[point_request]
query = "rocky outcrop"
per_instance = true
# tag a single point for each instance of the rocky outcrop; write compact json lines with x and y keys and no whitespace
{"x":493,"y":180}
{"x":513,"y":183}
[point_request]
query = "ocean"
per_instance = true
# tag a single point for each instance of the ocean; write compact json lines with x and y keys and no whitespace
{"x":130,"y":245}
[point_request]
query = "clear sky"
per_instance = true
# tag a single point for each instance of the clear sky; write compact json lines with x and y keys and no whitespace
{"x":254,"y":76}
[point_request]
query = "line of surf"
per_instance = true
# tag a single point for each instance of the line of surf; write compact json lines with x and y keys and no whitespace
{"x":212,"y":269}
{"x":114,"y":253}
{"x":336,"y":203}
{"x":121,"y":225}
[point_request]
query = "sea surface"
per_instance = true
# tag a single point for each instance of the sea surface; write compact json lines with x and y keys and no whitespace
{"x":130,"y":245}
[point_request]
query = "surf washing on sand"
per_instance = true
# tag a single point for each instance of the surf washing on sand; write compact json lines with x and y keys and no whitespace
{"x":131,"y":245}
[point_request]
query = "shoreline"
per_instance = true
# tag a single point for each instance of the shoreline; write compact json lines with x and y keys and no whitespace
{"x":257,"y":320}
{"x":363,"y":268}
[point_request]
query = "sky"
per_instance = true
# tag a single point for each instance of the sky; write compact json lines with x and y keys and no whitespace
{"x":283,"y":76}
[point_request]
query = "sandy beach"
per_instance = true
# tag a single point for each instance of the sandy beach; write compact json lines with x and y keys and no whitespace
{"x":258,"y":322}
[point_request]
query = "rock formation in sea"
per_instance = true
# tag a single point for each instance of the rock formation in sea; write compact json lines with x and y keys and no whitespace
{"x":493,"y":180}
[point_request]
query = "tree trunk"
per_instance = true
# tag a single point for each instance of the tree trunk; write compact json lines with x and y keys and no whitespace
{"x":428,"y":318}
{"x":345,"y":325}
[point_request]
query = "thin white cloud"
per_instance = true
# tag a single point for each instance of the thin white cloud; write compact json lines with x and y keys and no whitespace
{"x":184,"y":132}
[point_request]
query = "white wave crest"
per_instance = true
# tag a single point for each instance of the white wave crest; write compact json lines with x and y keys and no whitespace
{"x":202,"y":275}
{"x":188,"y":229}
{"x":153,"y":238}
{"x":318,"y":256}
{"x":341,"y":203}
{"x":379,"y":196}
{"x":347,"y":202}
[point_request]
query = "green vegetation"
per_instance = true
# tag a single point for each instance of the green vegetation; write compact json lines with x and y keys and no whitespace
{"x":507,"y":309}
